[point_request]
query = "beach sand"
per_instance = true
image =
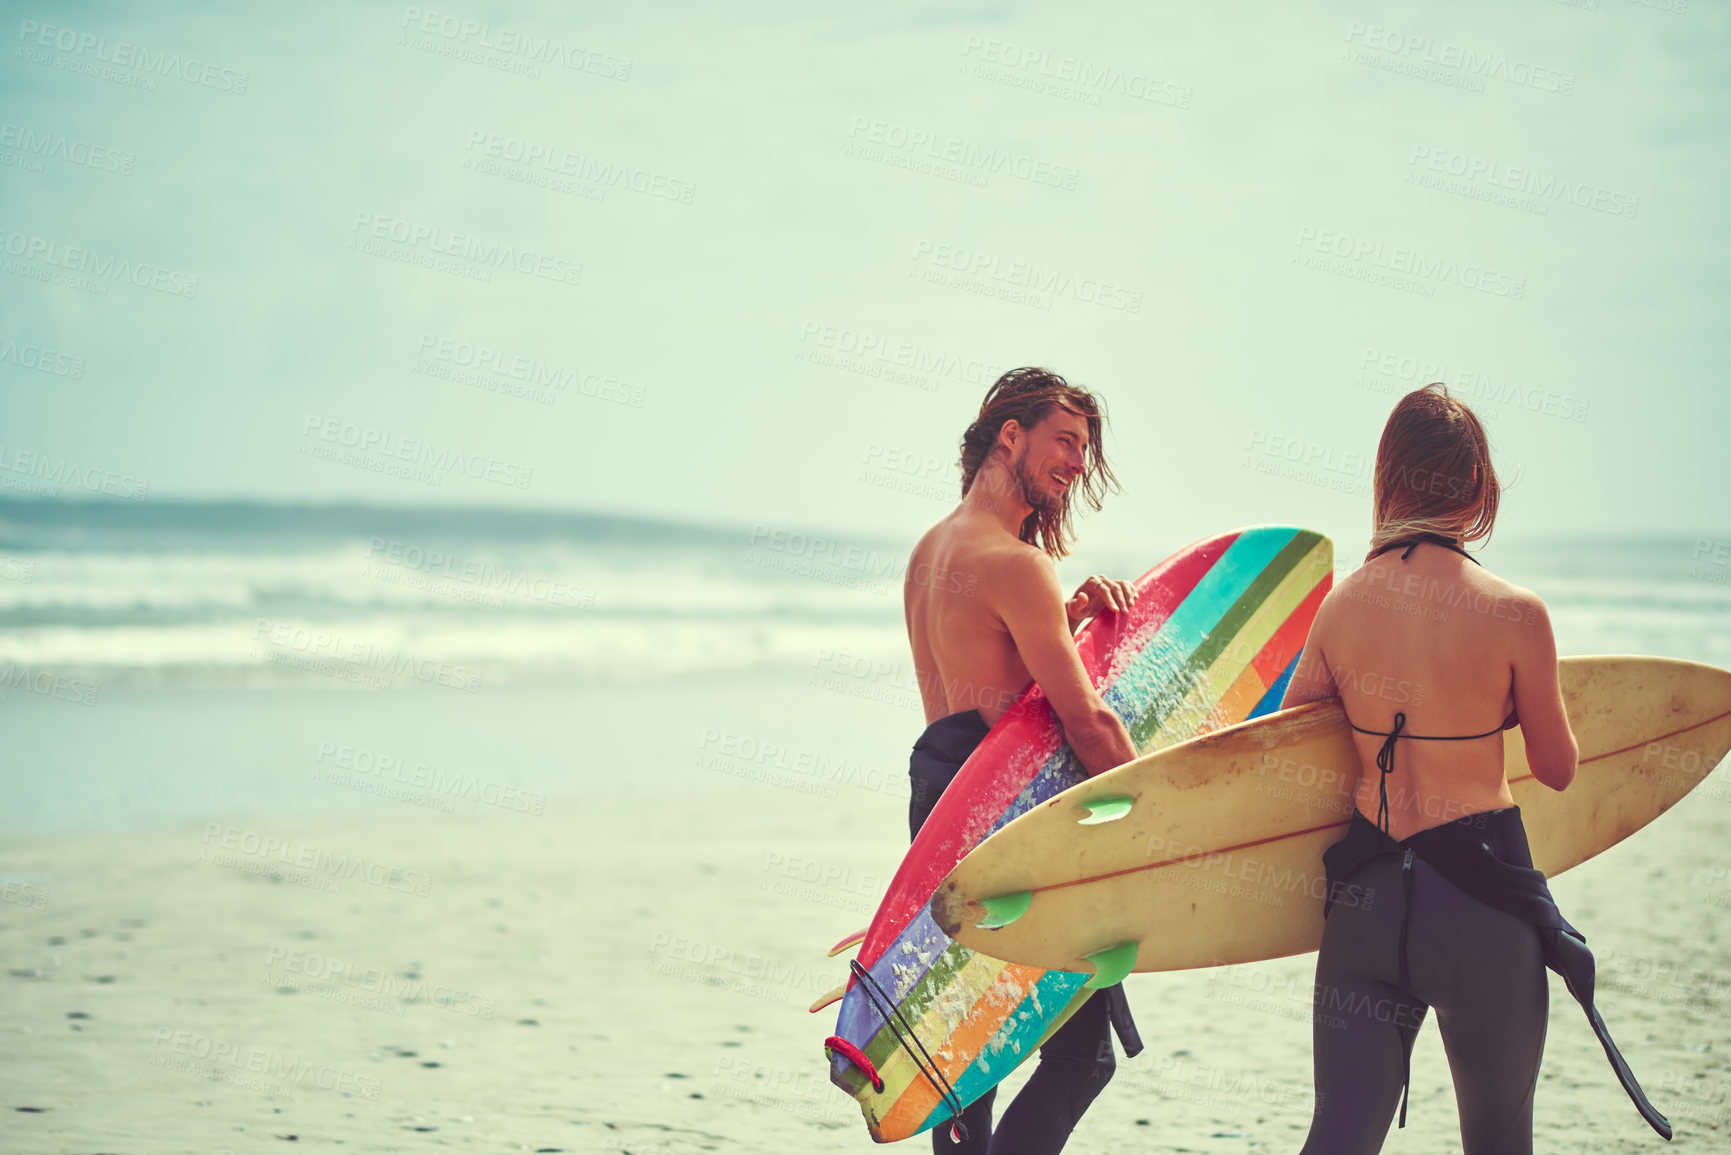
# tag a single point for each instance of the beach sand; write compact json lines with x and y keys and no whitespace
{"x":631,"y":973}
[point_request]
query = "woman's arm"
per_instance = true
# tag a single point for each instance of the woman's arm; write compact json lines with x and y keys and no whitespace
{"x":1551,"y":749}
{"x":1312,"y":680}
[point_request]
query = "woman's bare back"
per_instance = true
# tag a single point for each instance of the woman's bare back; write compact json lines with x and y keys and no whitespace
{"x":1454,"y":649}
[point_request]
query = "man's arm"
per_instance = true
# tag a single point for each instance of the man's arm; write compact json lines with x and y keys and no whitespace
{"x":1031,"y":604}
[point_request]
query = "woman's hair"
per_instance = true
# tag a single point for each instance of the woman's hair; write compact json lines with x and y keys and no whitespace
{"x":1028,"y":396}
{"x":1433,"y":472}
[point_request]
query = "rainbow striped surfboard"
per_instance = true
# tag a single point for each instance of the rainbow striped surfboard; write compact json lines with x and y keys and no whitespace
{"x":1212,"y":639}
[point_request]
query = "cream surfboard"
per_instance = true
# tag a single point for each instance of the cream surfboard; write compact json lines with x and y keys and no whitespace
{"x":1215,"y":855}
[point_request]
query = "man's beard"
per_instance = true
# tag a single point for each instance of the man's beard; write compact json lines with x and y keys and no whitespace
{"x":1042,"y":501}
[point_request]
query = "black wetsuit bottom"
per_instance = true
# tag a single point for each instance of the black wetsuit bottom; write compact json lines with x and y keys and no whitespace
{"x":1484,"y":972}
{"x":1077,"y":1062}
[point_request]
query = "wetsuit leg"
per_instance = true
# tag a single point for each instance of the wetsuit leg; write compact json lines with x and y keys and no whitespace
{"x":1363,"y":1025}
{"x":923,"y":795}
{"x":1481,"y":969}
{"x":1492,"y":1016}
{"x":938,"y":756}
{"x":1074,"y":1066}
{"x":977,"y":1118}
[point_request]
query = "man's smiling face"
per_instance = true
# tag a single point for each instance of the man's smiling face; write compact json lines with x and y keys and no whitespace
{"x":1052,"y":457}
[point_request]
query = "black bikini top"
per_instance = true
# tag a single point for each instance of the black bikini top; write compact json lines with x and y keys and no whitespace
{"x":1412,"y":543}
{"x":1385,"y":756}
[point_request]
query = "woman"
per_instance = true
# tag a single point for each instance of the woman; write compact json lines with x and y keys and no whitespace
{"x":1432,"y":657}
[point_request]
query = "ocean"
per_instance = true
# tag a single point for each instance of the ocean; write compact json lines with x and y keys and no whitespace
{"x":166,"y":662}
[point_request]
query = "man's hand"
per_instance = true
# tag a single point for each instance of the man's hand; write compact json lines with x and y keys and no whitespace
{"x":1096,"y":594}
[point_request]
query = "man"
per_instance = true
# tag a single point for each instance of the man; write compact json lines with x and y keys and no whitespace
{"x":986,"y":616}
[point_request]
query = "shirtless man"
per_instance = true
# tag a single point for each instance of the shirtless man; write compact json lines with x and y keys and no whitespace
{"x":986,"y":616}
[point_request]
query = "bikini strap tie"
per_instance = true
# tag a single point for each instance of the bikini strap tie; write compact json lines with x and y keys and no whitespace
{"x":1385,"y":763}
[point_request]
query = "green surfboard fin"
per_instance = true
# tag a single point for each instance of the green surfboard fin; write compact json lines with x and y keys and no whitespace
{"x":1003,"y":909}
{"x":1109,"y":808}
{"x":1111,"y":965}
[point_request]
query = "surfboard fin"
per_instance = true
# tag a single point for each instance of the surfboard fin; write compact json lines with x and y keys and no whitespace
{"x":1111,"y":965}
{"x":1108,"y":808}
{"x":827,"y":998}
{"x":851,"y":940}
{"x":1003,"y":909}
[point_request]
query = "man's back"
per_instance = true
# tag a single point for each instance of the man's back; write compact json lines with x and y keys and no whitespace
{"x":964,"y":655}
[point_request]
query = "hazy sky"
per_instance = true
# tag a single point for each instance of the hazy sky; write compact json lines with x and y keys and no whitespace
{"x":758,"y":263}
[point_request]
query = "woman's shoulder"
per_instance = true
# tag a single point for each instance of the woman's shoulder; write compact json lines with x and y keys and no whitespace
{"x":1524,"y":605}
{"x":1387,"y":585}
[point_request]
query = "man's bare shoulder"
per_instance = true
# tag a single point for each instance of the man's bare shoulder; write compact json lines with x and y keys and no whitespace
{"x":1015,"y":571}
{"x":991,"y":560}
